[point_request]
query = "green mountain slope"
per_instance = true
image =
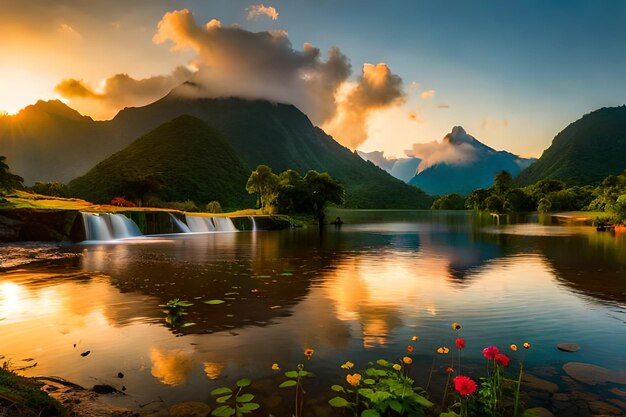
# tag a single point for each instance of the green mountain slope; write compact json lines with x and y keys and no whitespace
{"x":585,"y":152}
{"x":190,"y":159}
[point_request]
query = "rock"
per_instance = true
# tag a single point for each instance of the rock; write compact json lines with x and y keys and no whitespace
{"x":104,"y":389}
{"x":618,"y":392}
{"x":599,"y":407}
{"x":533,"y":383}
{"x":619,"y":403}
{"x":190,"y":409}
{"x":540,"y":412}
{"x":568,"y":347}
{"x":592,"y":374}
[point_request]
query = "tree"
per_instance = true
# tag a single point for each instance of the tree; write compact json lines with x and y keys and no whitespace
{"x":322,"y":190}
{"x":8,"y":181}
{"x":214,"y":207}
{"x":619,"y":208}
{"x":452,"y":201}
{"x":141,"y":188}
{"x":502,"y":182}
{"x":291,"y":196}
{"x":264,"y":183}
{"x":476,"y":199}
{"x":494,"y":204}
{"x":54,"y":189}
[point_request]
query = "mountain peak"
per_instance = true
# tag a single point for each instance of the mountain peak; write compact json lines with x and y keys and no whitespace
{"x":52,"y":107}
{"x":458,"y":135}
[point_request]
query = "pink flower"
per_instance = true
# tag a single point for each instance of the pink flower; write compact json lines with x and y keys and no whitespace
{"x":460,"y":343}
{"x":490,"y":352}
{"x":464,"y":385}
{"x":502,"y":359}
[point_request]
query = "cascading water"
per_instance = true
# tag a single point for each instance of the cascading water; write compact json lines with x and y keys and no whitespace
{"x":201,"y":224}
{"x":108,"y":226}
{"x":181,"y":225}
{"x":253,"y":221}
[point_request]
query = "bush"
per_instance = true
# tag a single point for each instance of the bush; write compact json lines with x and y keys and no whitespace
{"x":122,"y":202}
{"x":214,"y":207}
{"x":188,"y":206}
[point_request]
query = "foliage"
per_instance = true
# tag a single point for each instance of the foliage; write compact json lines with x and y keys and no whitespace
{"x":188,"y":206}
{"x":176,"y":310}
{"x":8,"y":181}
{"x":26,"y":397}
{"x":234,"y":402}
{"x":214,"y":207}
{"x":264,"y":183}
{"x":295,"y":380}
{"x":122,"y":202}
{"x":53,"y":189}
{"x":452,"y":201}
{"x":384,"y":390}
{"x":181,"y":160}
{"x":619,"y":208}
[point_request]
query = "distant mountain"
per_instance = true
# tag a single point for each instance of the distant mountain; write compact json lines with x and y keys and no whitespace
{"x":585,"y":152}
{"x":190,"y":160}
{"x":463,"y":165}
{"x":401,"y":168}
{"x":65,"y":145}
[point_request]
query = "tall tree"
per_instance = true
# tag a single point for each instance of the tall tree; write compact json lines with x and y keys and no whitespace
{"x":323,"y":190}
{"x":264,"y":183}
{"x":8,"y":181}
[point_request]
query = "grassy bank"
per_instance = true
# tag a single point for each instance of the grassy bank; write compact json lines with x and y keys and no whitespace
{"x":23,"y":397}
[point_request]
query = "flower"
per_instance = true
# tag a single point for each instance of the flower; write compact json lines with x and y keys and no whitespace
{"x":414,"y":338}
{"x":464,"y":385}
{"x":308,"y":352}
{"x":275,"y":367}
{"x":456,"y":326}
{"x":526,"y":345}
{"x":397,"y":367}
{"x":490,"y":352}
{"x":443,"y":350}
{"x":347,"y":365}
{"x":409,"y":348}
{"x":407,"y":360}
{"x":354,"y":379}
{"x":502,"y":359}
{"x":449,"y":370}
{"x":514,"y":347}
{"x":460,"y":343}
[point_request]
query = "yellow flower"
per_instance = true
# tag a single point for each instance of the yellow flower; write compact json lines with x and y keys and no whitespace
{"x":353,"y":380}
{"x":526,"y":345}
{"x":409,"y":348}
{"x":275,"y":367}
{"x":513,"y":347}
{"x":397,"y":367}
{"x":407,"y":360}
{"x":456,"y":326}
{"x":308,"y":352}
{"x":347,"y":365}
{"x":414,"y":338}
{"x":443,"y":350}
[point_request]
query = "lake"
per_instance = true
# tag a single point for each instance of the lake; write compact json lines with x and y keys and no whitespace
{"x":358,"y":292}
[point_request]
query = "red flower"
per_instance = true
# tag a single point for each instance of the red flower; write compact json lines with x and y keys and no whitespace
{"x":409,"y":348}
{"x":502,"y":359}
{"x":460,"y":343}
{"x":464,"y":385}
{"x":490,"y":352}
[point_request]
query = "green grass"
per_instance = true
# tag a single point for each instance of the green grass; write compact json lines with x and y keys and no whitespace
{"x":23,"y":397}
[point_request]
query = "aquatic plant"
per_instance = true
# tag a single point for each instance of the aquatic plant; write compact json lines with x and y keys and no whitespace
{"x":175,"y":311}
{"x":234,"y":402}
{"x":295,"y":380}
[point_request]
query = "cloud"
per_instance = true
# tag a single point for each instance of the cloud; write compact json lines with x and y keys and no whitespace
{"x":452,"y":152}
{"x":443,"y":106}
{"x":121,"y":90}
{"x":376,"y":89}
{"x":67,"y":30}
{"x":427,"y":94}
{"x":492,"y":123}
{"x":257,"y":10}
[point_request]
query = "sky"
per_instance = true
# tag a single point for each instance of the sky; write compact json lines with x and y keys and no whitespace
{"x":376,"y":75}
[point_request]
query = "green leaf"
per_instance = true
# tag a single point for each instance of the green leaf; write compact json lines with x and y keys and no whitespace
{"x":338,"y":388}
{"x":369,"y":381}
{"x":423,"y":401}
{"x":223,"y":411}
{"x":232,"y":293}
{"x":289,"y":383}
{"x":370,"y":413}
{"x":214,"y":302}
{"x":449,"y":414}
{"x":221,"y":390}
{"x":286,"y":274}
{"x":187,"y":325}
{"x":185,"y":304}
{"x":338,"y":402}
{"x":245,"y":398}
{"x":291,"y":374}
{"x":383,"y":362}
{"x":305,"y":373}
{"x":248,"y":407}
{"x":396,"y":406}
{"x":223,"y":399}
{"x":243,"y":382}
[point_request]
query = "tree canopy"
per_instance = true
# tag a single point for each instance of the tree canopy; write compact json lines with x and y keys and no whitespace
{"x":8,"y":181}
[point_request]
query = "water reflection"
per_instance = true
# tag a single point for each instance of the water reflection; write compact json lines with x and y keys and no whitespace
{"x":358,"y":293}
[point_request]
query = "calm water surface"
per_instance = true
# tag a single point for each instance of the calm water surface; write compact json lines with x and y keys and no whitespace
{"x":356,"y":293}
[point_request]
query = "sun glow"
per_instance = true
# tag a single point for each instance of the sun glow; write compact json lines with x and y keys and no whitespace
{"x":21,"y":88}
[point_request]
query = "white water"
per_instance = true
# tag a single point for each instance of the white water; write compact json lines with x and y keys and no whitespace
{"x":181,"y":225}
{"x":253,"y":223}
{"x":108,"y":226}
{"x":209,"y":224}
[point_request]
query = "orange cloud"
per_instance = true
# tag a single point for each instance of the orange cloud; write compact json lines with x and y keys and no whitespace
{"x":427,"y":94}
{"x":257,"y":10}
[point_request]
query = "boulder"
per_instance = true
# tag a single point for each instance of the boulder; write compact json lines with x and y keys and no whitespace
{"x":593,"y":374}
{"x":568,"y":347}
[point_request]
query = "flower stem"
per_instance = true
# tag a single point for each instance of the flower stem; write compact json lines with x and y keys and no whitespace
{"x":519,"y":383}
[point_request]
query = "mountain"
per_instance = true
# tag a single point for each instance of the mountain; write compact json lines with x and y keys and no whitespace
{"x":190,"y":160}
{"x":401,"y":168}
{"x":260,"y":132}
{"x":585,"y":152}
{"x":463,"y":165}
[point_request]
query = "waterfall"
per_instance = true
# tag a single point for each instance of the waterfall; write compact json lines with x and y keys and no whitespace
{"x":253,"y":221}
{"x":108,"y":226}
{"x":181,"y":226}
{"x":210,"y":224}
